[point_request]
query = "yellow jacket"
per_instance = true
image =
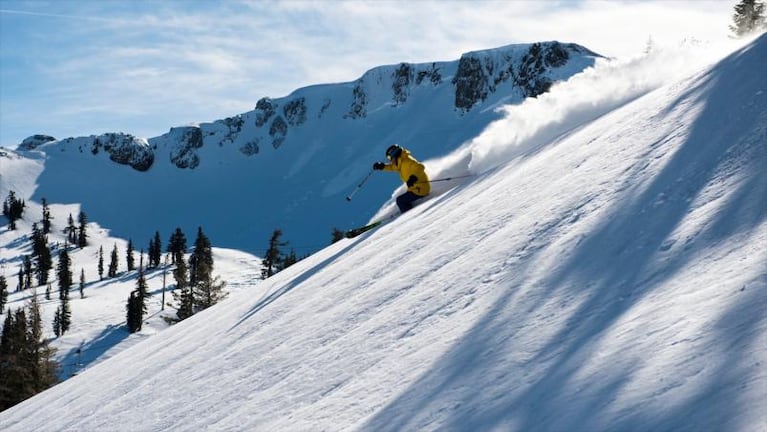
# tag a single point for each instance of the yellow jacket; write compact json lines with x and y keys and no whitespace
{"x":407,"y":165}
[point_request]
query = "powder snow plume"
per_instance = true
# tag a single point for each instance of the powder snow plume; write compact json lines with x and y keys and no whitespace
{"x":610,"y":84}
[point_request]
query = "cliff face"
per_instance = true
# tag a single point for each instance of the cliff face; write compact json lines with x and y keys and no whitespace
{"x":477,"y":78}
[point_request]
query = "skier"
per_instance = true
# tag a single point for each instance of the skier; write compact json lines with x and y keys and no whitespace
{"x":410,"y":171}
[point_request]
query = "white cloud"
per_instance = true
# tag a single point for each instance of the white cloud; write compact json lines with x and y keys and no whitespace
{"x":177,"y":63}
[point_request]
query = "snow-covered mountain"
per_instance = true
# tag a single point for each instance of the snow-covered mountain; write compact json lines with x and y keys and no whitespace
{"x":605,"y":269}
{"x":291,"y":161}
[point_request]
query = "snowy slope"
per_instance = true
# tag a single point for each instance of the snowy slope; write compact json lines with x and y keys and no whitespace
{"x":612,"y":278}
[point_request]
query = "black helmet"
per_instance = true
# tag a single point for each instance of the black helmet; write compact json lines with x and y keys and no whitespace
{"x":393,"y":152}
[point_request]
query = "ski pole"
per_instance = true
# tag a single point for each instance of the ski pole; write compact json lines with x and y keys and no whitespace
{"x":349,"y":198}
{"x":448,"y":178}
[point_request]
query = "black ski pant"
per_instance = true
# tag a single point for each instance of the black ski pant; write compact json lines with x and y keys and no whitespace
{"x":406,"y":200}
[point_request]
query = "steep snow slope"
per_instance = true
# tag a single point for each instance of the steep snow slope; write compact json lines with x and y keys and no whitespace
{"x":611,"y":279}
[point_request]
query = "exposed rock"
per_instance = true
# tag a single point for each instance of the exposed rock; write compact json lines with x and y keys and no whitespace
{"x":234,"y":124}
{"x":184,"y":153}
{"x":325,"y":105}
{"x":31,"y":143}
{"x":277,"y":131}
{"x":401,"y":79}
{"x":479,"y":75}
{"x":125,"y":149}
{"x":265,"y":109}
{"x":535,"y":63}
{"x":359,"y":105}
{"x":250,"y":148}
{"x":470,"y":83}
{"x":295,"y":111}
{"x":432,"y":74}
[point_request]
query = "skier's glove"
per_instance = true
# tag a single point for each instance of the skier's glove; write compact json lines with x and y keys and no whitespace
{"x":378,"y":166}
{"x":412,"y":180}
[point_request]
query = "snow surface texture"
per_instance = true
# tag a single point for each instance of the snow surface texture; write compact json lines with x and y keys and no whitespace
{"x":611,"y":278}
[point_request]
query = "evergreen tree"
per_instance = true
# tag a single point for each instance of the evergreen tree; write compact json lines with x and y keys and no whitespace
{"x":273,"y":255}
{"x":183,"y":292}
{"x":71,"y":230}
{"x":143,"y":291}
{"x":82,"y":235}
{"x":201,"y":259}
{"x":46,"y":217}
{"x":133,"y":316}
{"x":43,"y":368}
{"x":3,"y":292}
{"x":20,"y":286}
{"x":26,"y":365}
{"x":129,"y":256}
{"x":15,"y":375}
{"x":101,"y":263}
{"x":62,"y":320}
{"x":337,"y":235}
{"x":209,"y":291}
{"x":137,"y":303}
{"x":27,"y":272}
{"x":749,"y":17}
{"x":155,"y":250}
{"x":177,"y":246}
{"x":112,"y":272}
{"x":42,"y":255}
{"x":64,"y":273}
{"x":13,"y":209}
{"x":82,"y":283}
{"x":287,"y":261}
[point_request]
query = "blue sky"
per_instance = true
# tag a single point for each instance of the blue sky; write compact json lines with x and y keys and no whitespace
{"x":74,"y":68}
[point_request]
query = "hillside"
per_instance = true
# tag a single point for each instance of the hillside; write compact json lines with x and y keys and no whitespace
{"x":607,"y":273}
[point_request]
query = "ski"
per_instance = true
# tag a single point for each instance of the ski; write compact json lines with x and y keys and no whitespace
{"x":363,"y":229}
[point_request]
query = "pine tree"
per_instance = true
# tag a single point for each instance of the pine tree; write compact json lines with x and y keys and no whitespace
{"x":27,"y":272}
{"x":112,"y":272}
{"x":143,"y":291}
{"x":3,"y":292}
{"x":155,"y":250}
{"x":209,"y":291}
{"x":101,"y":263}
{"x":15,"y":375}
{"x":41,"y":355}
{"x":133,"y":317}
{"x":273,"y":255}
{"x":21,"y":278}
{"x":201,"y":259}
{"x":177,"y":246}
{"x":71,"y":230}
{"x":337,"y":235}
{"x":26,"y":365}
{"x":46,"y":217}
{"x":64,"y":273}
{"x":82,"y":236}
{"x":63,"y":318}
{"x":749,"y":17}
{"x":42,"y":254}
{"x":287,"y":261}
{"x":13,"y":209}
{"x":129,"y":256}
{"x":183,"y":292}
{"x":82,"y":283}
